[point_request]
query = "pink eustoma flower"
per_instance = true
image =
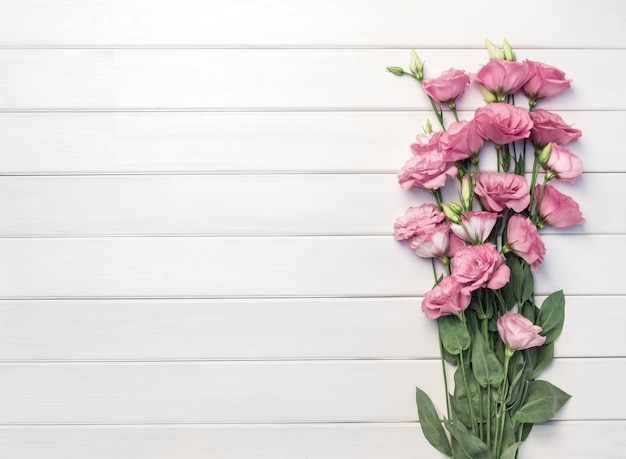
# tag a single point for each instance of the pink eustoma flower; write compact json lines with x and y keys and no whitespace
{"x":426,"y":169}
{"x":475,"y":227}
{"x":519,"y":333}
{"x":524,"y":241}
{"x":477,"y":266}
{"x":446,"y":298}
{"x":563,"y":164}
{"x":417,"y":220}
{"x":550,"y":127}
{"x":546,"y":81}
{"x":499,"y":190}
{"x":501,"y":77}
{"x":557,"y":209}
{"x":503,"y":123}
{"x":432,"y":244}
{"x":461,"y":141}
{"x":447,"y":87}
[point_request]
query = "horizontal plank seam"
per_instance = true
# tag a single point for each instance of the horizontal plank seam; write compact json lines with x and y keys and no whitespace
{"x":303,"y":46}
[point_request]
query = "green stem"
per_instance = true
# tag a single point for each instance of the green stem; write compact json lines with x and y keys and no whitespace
{"x":467,"y":391}
{"x":533,"y":182}
{"x":452,"y":106}
{"x":438,"y":112}
{"x":445,"y":379}
{"x":501,"y":404}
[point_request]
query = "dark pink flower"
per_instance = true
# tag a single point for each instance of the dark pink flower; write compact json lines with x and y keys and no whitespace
{"x":501,"y":77}
{"x":524,"y":241}
{"x":477,"y":266}
{"x":517,"y":332}
{"x":446,"y":298}
{"x":550,"y":127}
{"x":417,"y":220}
{"x":563,"y":164}
{"x":461,"y":141}
{"x":503,"y":123}
{"x":557,"y":209}
{"x":499,"y":190}
{"x":546,"y":81}
{"x":446,"y":88}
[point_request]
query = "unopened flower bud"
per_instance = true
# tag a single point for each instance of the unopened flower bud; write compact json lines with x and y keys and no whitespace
{"x":493,"y":51}
{"x":509,"y":55}
{"x":488,"y":96}
{"x":543,"y":155}
{"x":416,"y":65}
{"x":452,"y":211}
{"x":396,"y":70}
{"x":466,"y":193}
{"x":428,"y":128}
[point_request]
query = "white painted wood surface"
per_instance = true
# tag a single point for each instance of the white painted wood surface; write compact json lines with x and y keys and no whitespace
{"x":196,"y":203}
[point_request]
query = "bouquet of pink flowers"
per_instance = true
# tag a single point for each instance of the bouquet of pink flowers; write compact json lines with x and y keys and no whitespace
{"x":485,"y":248}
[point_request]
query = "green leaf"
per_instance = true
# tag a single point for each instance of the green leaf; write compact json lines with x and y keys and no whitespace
{"x":453,"y":334}
{"x":517,"y":275}
{"x":511,"y":451}
{"x":552,"y":316}
{"x":485,"y":364}
{"x":528,"y":284}
{"x":467,"y":446}
{"x":429,"y":421}
{"x":462,"y":399}
{"x":545,"y":355}
{"x":542,"y":402}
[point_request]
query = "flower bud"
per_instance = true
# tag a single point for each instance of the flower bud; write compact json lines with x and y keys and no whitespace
{"x":396,"y":70}
{"x":416,"y":65}
{"x":466,"y":193}
{"x":543,"y":155}
{"x":488,"y":96}
{"x":509,"y":55}
{"x":452,"y":211}
{"x":428,"y":128}
{"x":493,"y":51}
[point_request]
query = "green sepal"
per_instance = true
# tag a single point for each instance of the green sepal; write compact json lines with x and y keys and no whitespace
{"x":552,"y":316}
{"x":430,"y":423}
{"x":542,"y":402}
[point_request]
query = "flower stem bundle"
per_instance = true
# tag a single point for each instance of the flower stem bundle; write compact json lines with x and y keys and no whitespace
{"x":486,"y":248}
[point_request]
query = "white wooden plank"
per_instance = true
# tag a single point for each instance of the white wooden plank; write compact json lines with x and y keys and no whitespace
{"x":266,"y":392}
{"x":231,"y":205}
{"x":317,"y":79}
{"x":307,"y":23}
{"x":269,"y":266}
{"x":263,"y":329}
{"x":557,"y":440}
{"x":201,"y":142}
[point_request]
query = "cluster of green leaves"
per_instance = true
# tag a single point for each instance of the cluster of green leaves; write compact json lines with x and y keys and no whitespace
{"x":496,"y":397}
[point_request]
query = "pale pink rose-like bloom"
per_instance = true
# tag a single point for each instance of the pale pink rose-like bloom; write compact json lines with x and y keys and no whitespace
{"x":546,"y":81}
{"x":501,"y":77}
{"x":564,"y":164}
{"x":499,"y":190}
{"x":503,"y":123}
{"x":447,"y":87}
{"x":432,"y":244}
{"x":550,"y":127}
{"x":426,"y":142}
{"x":557,"y":209}
{"x":524,"y":240}
{"x":519,"y":333}
{"x":417,"y":220}
{"x":461,"y":141}
{"x":476,"y":226}
{"x":446,"y":298}
{"x":426,"y":169}
{"x":477,"y":266}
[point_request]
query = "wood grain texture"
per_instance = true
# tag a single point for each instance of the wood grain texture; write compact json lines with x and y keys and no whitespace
{"x":269,"y":266}
{"x":312,"y":79}
{"x":557,"y":440}
{"x":244,"y":142}
{"x":218,"y":205}
{"x":264,"y":392}
{"x":307,"y":23}
{"x":261,"y":329}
